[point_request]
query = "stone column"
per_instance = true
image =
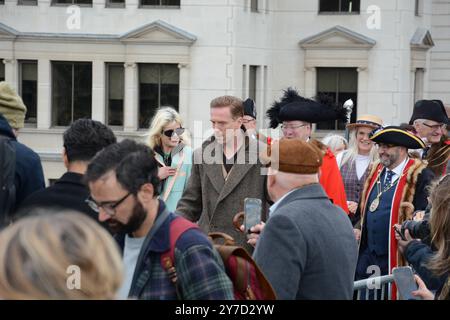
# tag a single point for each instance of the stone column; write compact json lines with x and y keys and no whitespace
{"x":183,"y":85}
{"x":363,"y":88}
{"x":98,"y":91}
{"x":11,"y":72}
{"x":131,"y":108}
{"x":44,"y":98}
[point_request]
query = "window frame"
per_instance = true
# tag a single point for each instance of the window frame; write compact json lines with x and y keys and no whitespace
{"x":159,"y":104}
{"x":52,"y":119}
{"x":107,"y":65}
{"x":160,"y":6}
{"x":418,"y":8}
{"x":339,"y":12}
{"x":254,"y":6}
{"x":355,"y":108}
{"x":87,"y":5}
{"x":109,"y":4}
{"x":20,"y":64}
{"x":27,"y":2}
{"x":253,"y":71}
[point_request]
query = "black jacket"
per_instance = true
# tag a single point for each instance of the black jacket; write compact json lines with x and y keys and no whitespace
{"x":29,"y":176}
{"x":418,"y":255}
{"x":68,"y":192}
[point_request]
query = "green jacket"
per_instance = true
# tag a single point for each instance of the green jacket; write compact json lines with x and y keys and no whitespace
{"x":181,"y":156}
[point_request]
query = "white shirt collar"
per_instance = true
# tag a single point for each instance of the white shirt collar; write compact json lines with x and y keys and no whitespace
{"x":277,"y":203}
{"x":398,"y":169}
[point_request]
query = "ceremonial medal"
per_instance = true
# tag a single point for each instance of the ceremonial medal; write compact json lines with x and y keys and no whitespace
{"x":374,"y":204}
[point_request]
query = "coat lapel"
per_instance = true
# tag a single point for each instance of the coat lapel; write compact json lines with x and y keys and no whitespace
{"x":215,"y":175}
{"x":236,"y":175}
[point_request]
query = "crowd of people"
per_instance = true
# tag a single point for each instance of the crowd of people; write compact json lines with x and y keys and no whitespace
{"x":331,"y":210}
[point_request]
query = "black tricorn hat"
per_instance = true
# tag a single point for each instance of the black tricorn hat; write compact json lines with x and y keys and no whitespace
{"x":430,"y":110}
{"x":398,"y":137}
{"x":249,"y":108}
{"x":292,"y":106}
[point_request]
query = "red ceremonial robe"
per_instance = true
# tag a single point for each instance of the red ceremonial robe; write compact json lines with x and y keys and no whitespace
{"x":331,"y":180}
{"x":402,"y":194}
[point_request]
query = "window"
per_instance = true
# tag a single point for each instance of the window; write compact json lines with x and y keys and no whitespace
{"x":161,"y":3}
{"x":342,"y":6}
{"x":254,"y":5}
{"x":341,"y":84}
{"x":2,"y":70}
{"x":27,"y":2}
{"x":115,"y":3}
{"x":115,"y":78}
{"x":28,"y":89}
{"x":252,"y":82}
{"x":71,"y":92}
{"x":158,"y":86}
{"x":418,"y":8}
{"x":70,"y":2}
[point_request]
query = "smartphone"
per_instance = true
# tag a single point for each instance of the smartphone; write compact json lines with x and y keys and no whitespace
{"x":399,"y":233}
{"x":252,"y":213}
{"x":406,"y":284}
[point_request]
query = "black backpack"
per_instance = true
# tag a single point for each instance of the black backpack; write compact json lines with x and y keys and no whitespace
{"x":7,"y":176}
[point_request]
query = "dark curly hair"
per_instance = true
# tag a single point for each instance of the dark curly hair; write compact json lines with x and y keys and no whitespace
{"x":85,"y":137}
{"x":134,"y":164}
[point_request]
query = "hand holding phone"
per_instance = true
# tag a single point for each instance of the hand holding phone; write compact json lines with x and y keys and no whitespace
{"x":406,"y":283}
{"x":399,"y":233}
{"x":252,"y":216}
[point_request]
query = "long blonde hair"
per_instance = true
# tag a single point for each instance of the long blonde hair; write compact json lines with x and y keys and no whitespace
{"x":440,"y":224}
{"x":39,"y":253}
{"x":350,"y":154}
{"x":162,"y":118}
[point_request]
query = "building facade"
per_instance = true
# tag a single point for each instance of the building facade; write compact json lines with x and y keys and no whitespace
{"x":118,"y":60}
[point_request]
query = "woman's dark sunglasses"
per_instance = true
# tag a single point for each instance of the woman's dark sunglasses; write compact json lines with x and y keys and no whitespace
{"x":169,"y":133}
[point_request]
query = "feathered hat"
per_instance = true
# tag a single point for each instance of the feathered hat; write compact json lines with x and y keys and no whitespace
{"x":292,"y":106}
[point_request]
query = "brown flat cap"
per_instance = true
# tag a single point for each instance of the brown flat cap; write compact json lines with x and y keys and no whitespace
{"x":293,"y":156}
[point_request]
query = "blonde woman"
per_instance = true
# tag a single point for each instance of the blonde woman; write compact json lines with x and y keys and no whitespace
{"x":355,"y":162}
{"x":60,"y":256}
{"x":170,"y":141}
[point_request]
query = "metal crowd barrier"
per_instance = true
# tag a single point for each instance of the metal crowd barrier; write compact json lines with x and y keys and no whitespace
{"x":373,"y":284}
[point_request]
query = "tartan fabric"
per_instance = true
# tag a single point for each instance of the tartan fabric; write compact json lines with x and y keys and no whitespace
{"x":200,"y":271}
{"x":353,"y":186}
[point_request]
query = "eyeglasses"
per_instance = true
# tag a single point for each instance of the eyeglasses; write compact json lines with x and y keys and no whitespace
{"x":177,"y":131}
{"x":385,"y":145}
{"x":109,"y":206}
{"x":435,"y":127}
{"x":245,"y":121}
{"x":283,"y":127}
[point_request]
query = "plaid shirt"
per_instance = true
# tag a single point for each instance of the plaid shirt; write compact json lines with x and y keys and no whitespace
{"x":200,"y":271}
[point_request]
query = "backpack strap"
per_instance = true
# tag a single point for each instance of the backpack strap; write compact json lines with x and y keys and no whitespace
{"x":174,"y":178}
{"x":7,"y":176}
{"x":178,"y":226}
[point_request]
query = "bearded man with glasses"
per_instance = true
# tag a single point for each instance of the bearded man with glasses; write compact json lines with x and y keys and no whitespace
{"x":123,"y":182}
{"x":394,"y":188}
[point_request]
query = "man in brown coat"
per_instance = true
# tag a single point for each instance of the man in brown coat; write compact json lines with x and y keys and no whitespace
{"x":225,"y":171}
